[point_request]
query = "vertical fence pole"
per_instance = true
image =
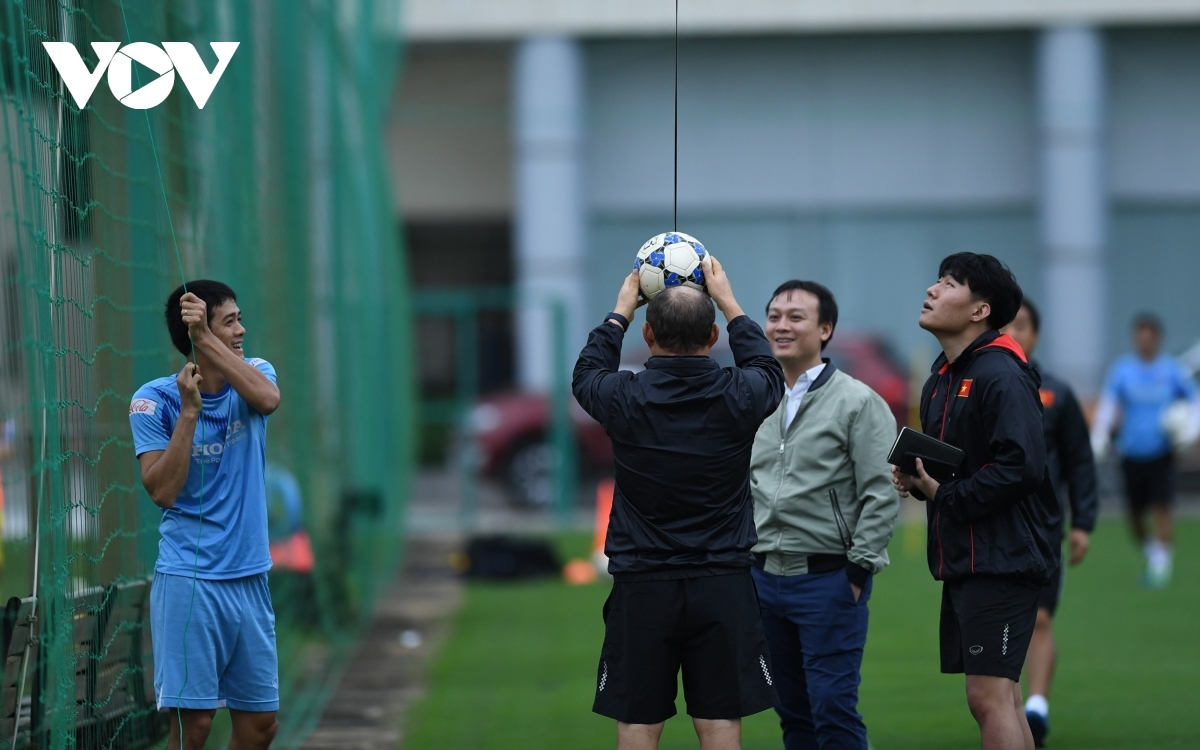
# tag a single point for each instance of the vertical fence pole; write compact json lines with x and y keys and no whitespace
{"x":467,"y":353}
{"x":562,"y":437}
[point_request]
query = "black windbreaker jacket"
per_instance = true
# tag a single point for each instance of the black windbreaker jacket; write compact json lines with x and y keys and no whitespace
{"x":681,"y":430}
{"x":1069,"y":452}
{"x":999,"y":516}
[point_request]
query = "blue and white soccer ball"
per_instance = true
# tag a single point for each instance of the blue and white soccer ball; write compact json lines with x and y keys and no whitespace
{"x":670,"y":259}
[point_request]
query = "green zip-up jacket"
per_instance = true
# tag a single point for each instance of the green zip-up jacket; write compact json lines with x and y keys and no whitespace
{"x":823,"y":486}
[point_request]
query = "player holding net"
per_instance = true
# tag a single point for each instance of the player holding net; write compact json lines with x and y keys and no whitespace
{"x":200,"y":439}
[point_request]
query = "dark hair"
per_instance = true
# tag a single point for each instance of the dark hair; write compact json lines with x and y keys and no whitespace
{"x":989,"y":280}
{"x":1035,"y":317}
{"x":827,"y":309}
{"x":214,"y":294}
{"x":682,"y":319}
{"x":1148,"y":320}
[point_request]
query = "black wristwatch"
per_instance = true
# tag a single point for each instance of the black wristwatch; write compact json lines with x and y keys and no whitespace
{"x":621,"y":319}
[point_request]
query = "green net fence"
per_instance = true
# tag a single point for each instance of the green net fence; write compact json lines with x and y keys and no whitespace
{"x":277,"y":186}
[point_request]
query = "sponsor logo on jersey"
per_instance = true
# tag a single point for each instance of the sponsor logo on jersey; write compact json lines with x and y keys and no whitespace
{"x":964,"y":388}
{"x":143,"y":406}
{"x":1047,"y":397}
{"x":212,"y":452}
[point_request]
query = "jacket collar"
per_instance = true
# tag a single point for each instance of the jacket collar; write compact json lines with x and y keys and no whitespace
{"x":682,"y":362}
{"x":825,"y":375}
{"x":988,"y":340}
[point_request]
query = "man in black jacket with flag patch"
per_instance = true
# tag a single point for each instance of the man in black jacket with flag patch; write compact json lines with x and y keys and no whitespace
{"x":682,"y":523}
{"x":992,"y":531}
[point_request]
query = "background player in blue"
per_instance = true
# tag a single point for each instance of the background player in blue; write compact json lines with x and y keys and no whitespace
{"x":1139,"y":390}
{"x":200,"y":438}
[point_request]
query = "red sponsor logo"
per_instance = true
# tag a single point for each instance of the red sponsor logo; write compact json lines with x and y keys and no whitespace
{"x":143,"y":406}
{"x":964,"y":388}
{"x":1047,"y":396}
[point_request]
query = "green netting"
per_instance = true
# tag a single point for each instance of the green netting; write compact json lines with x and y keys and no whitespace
{"x":277,"y":187}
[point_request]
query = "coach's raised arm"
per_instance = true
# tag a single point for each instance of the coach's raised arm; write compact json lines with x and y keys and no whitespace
{"x":681,"y":528}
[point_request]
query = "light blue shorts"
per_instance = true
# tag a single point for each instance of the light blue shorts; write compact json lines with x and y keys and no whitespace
{"x":228,"y":657}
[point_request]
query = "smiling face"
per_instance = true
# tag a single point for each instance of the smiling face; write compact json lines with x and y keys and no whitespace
{"x":226,"y":324}
{"x":793,"y":328}
{"x":950,"y":307}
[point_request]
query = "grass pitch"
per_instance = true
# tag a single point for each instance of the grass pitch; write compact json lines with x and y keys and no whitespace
{"x":518,"y":670}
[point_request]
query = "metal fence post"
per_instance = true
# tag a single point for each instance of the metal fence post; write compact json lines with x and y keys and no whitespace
{"x":561,"y":434}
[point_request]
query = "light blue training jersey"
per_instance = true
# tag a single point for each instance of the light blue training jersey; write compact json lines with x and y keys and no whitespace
{"x":1144,"y":390}
{"x":226,"y":480}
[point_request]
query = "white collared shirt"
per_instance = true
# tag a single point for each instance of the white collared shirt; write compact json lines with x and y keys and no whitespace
{"x":795,"y":394}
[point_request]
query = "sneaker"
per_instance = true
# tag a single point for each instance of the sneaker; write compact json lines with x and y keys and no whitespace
{"x":1039,"y":725}
{"x":1156,"y":579}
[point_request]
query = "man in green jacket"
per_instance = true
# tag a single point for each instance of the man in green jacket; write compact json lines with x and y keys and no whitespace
{"x":825,"y":509}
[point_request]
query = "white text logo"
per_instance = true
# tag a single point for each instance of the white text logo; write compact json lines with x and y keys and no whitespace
{"x":118,"y":61}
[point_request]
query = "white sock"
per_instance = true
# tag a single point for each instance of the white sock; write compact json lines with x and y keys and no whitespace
{"x":1038,"y":704}
{"x":1159,"y":556}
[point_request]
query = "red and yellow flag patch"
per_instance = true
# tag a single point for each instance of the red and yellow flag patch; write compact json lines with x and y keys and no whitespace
{"x":964,"y":388}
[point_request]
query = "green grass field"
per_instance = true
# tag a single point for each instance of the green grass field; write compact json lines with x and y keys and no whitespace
{"x":518,"y":670}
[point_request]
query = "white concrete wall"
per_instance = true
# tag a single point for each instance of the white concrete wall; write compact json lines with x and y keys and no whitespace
{"x":512,"y":19}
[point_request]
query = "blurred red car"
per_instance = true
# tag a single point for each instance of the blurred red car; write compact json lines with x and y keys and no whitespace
{"x":870,"y":359}
{"x":510,"y":431}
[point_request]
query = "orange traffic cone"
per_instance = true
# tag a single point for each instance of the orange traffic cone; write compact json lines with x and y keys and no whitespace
{"x":604,"y":501}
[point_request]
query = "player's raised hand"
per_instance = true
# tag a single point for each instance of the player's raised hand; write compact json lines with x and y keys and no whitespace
{"x":719,"y":287}
{"x":195,"y":315}
{"x":629,"y":299}
{"x":188,"y":381}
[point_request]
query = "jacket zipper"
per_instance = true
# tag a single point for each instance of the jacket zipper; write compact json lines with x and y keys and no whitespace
{"x":840,"y":521}
{"x":937,"y":514}
{"x":782,"y":472}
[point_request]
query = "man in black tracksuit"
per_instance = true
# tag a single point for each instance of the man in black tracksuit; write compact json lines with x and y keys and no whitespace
{"x":1073,"y":471}
{"x":993,"y":538}
{"x":682,"y":523}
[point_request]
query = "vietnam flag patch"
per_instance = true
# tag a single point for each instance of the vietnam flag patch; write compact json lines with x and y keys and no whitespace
{"x":964,"y":388}
{"x":1047,"y":396}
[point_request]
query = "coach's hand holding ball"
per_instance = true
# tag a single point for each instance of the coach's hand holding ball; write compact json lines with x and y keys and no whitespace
{"x":629,"y":299}
{"x":719,"y":288}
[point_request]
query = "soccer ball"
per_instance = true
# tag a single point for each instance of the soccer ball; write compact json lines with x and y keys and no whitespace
{"x":670,"y":259}
{"x":1181,"y":424}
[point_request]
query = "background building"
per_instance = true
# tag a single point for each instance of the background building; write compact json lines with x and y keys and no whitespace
{"x":854,"y":143}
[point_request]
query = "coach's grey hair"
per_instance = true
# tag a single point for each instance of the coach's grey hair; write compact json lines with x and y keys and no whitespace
{"x":682,"y":319}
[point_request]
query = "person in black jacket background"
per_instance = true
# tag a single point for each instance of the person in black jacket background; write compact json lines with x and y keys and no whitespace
{"x":682,"y":524}
{"x":1073,"y":471}
{"x":992,"y":537}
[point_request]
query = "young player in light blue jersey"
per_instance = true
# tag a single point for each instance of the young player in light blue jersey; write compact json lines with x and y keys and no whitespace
{"x":200,"y":438}
{"x":1140,"y":388}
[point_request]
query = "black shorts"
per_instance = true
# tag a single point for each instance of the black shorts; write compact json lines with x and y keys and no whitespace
{"x":1149,"y":484}
{"x":709,"y":626}
{"x":987,"y":623}
{"x":1049,"y":594}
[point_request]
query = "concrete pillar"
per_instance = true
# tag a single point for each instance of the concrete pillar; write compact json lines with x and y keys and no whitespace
{"x":550,"y":226}
{"x":1073,"y":203}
